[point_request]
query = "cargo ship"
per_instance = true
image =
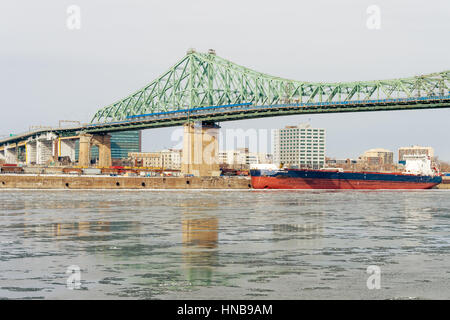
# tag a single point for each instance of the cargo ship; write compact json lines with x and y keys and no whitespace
{"x":418,"y":174}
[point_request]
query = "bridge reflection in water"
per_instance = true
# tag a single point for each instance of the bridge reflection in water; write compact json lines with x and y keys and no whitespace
{"x":200,"y":240}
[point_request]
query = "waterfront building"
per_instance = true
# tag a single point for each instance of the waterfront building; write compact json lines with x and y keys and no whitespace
{"x":346,"y":164}
{"x":242,"y":158}
{"x":377,"y":160}
{"x":301,"y":146}
{"x":166,"y":159}
{"x":414,"y":151}
{"x":377,"y":157}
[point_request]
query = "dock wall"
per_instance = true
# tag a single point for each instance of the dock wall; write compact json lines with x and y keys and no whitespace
{"x":23,"y":181}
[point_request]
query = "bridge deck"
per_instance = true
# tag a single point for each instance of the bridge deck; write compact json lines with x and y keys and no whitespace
{"x":249,"y":111}
{"x":241,"y":112}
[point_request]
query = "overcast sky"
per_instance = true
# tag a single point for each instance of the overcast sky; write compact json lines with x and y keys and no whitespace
{"x":49,"y":73}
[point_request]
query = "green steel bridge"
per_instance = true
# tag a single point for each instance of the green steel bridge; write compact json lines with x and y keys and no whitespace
{"x":205,"y":87}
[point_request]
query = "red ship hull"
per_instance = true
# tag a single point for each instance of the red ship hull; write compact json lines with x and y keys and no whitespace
{"x":306,"y":183}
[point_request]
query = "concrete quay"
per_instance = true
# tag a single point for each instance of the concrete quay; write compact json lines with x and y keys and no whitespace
{"x":33,"y":181}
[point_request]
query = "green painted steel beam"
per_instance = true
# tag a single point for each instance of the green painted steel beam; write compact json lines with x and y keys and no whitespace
{"x":200,"y":79}
{"x":275,"y":112}
{"x":228,"y":116}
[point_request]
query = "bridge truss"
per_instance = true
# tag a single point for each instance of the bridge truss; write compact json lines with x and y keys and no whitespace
{"x":202,"y":80}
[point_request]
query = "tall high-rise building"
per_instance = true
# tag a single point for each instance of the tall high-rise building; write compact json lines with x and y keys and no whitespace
{"x":301,"y":146}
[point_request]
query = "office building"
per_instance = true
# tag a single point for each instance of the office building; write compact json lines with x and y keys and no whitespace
{"x":300,"y":146}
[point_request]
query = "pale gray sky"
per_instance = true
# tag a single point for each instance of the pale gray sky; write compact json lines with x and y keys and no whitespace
{"x":48,"y":72}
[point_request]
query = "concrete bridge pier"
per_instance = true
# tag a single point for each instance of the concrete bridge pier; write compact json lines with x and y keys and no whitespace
{"x":44,"y":148}
{"x":104,"y":149}
{"x":84,"y":153}
{"x":2,"y":154}
{"x":31,"y":149}
{"x":44,"y":151}
{"x":201,"y":149}
{"x":11,"y":154}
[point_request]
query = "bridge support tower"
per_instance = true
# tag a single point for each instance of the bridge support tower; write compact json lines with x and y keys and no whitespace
{"x":31,"y":152}
{"x":11,"y":154}
{"x":104,"y":149}
{"x":201,"y":149}
{"x":44,"y":151}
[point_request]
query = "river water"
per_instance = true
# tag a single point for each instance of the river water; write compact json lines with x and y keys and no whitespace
{"x":225,"y":244}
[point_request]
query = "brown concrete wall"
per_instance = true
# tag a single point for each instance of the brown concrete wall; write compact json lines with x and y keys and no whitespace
{"x":83,"y":182}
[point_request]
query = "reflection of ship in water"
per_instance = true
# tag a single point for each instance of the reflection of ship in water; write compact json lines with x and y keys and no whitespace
{"x":200,"y":240}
